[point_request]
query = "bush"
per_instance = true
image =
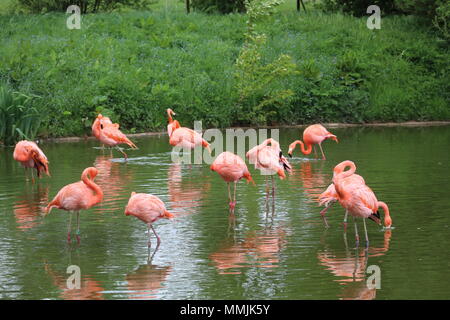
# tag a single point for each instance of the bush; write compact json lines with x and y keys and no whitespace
{"x":359,"y":7}
{"x":18,"y":120}
{"x":85,"y":5}
{"x":221,"y":6}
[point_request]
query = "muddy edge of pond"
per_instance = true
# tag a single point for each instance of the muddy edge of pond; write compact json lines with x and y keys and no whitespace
{"x":327,"y":125}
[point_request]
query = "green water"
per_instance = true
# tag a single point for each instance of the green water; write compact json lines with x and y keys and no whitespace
{"x":208,"y":254}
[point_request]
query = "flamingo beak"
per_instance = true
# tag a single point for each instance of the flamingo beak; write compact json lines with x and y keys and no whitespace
{"x":376,"y":218}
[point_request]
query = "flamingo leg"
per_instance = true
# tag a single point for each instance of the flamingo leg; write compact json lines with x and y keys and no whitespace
{"x":365,"y":231}
{"x":356,"y":232}
{"x":322,"y":213}
{"x":70,"y":226}
{"x":315,"y":152}
{"x":234,"y":195}
{"x":273,"y":195}
{"x":158,"y":239}
{"x":229,"y":195}
{"x":121,"y":150}
{"x":32,"y":176}
{"x":78,"y":226}
{"x":149,"y":243}
{"x":345,"y":220}
{"x":323,"y":155}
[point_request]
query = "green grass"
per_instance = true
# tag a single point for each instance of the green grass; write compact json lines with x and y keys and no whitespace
{"x":133,"y":65}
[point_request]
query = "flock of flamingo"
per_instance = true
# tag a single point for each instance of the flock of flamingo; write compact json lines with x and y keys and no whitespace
{"x":347,"y":188}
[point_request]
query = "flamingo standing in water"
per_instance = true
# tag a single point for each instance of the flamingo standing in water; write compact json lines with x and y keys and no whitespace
{"x":232,"y":169}
{"x":359,"y":201}
{"x":182,"y":136}
{"x":108,"y":133}
{"x":330,"y":196}
{"x":31,"y":156}
{"x":77,"y":196}
{"x":172,"y":124}
{"x":314,"y":134}
{"x":147,"y":208}
{"x":270,"y":160}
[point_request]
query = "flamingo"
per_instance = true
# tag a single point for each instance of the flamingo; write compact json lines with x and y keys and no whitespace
{"x":330,"y":196}
{"x":77,"y":196}
{"x":31,"y":156}
{"x":147,"y":208}
{"x":173,"y":124}
{"x":231,"y":168}
{"x":108,"y":133}
{"x":182,"y":136}
{"x":359,"y":201}
{"x":270,"y":160}
{"x":314,"y":134}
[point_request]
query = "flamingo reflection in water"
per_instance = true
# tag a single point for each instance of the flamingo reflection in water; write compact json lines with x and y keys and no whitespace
{"x":185,"y":195}
{"x":260,"y":250}
{"x":27,"y":208}
{"x":146,"y":281}
{"x":113,"y":178}
{"x":90,"y":289}
{"x":350,"y":269}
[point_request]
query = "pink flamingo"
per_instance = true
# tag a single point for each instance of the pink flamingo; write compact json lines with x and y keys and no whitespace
{"x":108,"y":133}
{"x":359,"y":201}
{"x":232,"y":169}
{"x":268,"y":158}
{"x":182,"y":136}
{"x":187,"y":139}
{"x":77,"y":196}
{"x":314,"y":134}
{"x":147,"y":208}
{"x":31,"y":156}
{"x":330,"y":196}
{"x":173,"y":124}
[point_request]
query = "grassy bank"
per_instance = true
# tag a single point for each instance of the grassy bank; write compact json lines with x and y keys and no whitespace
{"x":133,"y":65}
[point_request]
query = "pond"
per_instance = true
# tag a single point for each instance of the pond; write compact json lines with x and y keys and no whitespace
{"x":206,"y":253}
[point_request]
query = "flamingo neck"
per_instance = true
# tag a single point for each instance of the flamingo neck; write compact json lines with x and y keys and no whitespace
{"x":98,"y":197}
{"x":339,"y":175}
{"x":302,"y":147}
{"x":387,"y":216}
{"x":169,"y":116}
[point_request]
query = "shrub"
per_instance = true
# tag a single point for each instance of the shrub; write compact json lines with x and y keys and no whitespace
{"x":222,"y":6}
{"x":18,"y":120}
{"x":359,"y":7}
{"x":85,"y":5}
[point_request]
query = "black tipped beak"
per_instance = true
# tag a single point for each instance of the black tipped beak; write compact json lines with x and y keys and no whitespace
{"x":375,"y":217}
{"x":290,"y":155}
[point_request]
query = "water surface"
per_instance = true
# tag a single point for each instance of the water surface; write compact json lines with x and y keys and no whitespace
{"x":255,"y":254}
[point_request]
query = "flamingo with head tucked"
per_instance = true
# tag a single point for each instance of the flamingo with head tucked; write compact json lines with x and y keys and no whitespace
{"x":108,"y":133}
{"x":31,"y":156}
{"x":359,"y":200}
{"x":184,"y":137}
{"x":78,"y":196}
{"x":268,"y":158}
{"x":314,"y":134}
{"x":232,"y":169}
{"x":147,"y":208}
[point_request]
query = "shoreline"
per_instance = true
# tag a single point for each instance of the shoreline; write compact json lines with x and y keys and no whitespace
{"x":327,"y":125}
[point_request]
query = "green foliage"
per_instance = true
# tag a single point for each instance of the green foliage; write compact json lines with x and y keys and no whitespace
{"x":359,"y":7}
{"x":259,"y":84}
{"x":221,"y":6}
{"x":441,"y":20}
{"x":18,"y":119}
{"x":85,"y":5}
{"x":133,"y":65}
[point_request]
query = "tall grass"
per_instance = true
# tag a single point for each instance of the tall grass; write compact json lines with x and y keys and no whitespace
{"x":18,"y":119}
{"x":133,"y":65}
